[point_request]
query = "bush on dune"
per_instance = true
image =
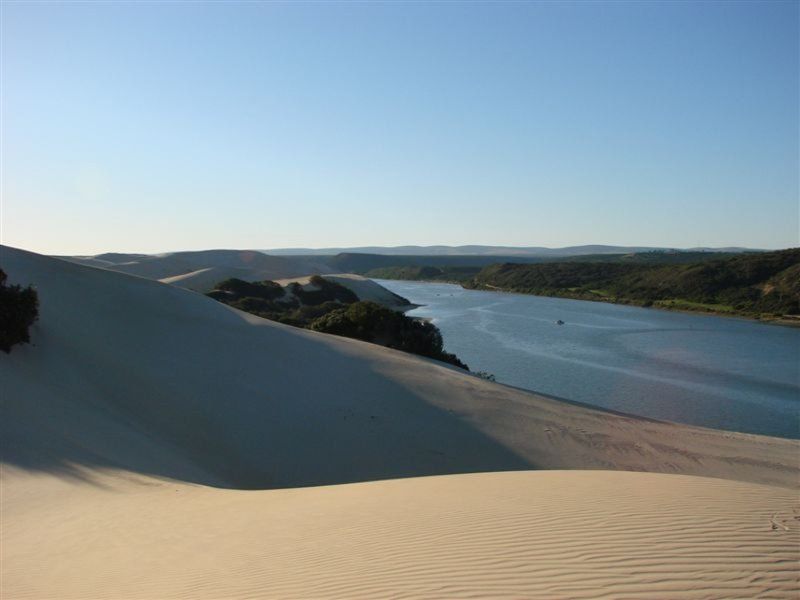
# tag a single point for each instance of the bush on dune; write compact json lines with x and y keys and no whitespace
{"x":330,"y":307}
{"x":266,"y":290}
{"x":326,"y":291}
{"x":19,"y":308}
{"x":374,"y":323}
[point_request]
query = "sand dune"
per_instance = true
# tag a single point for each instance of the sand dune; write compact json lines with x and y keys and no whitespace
{"x":254,"y":403}
{"x":364,"y":288}
{"x":549,"y":535}
{"x":139,"y":402}
{"x":204,"y":280}
{"x":200,"y":270}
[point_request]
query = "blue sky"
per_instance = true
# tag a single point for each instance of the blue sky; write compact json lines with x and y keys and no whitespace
{"x":157,"y":126}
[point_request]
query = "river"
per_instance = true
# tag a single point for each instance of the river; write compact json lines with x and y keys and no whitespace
{"x":713,"y":371}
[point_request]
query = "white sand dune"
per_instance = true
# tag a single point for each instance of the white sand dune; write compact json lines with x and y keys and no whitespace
{"x":200,"y":270}
{"x":204,"y":280}
{"x":364,"y":288}
{"x":136,"y":396}
{"x":107,"y":258}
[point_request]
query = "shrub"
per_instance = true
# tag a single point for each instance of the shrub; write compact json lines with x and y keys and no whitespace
{"x":267,"y":290}
{"x":333,"y":308}
{"x":257,"y":305}
{"x":374,"y":323}
{"x":327,"y":291}
{"x":19,"y":308}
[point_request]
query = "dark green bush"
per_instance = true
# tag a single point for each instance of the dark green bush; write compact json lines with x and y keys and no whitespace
{"x":327,"y":291}
{"x":19,"y":309}
{"x":268,"y":290}
{"x":374,"y":323}
{"x":333,"y":308}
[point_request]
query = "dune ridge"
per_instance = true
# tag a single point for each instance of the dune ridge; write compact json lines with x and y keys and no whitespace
{"x":549,"y":535}
{"x":200,"y":270}
{"x":364,"y":288}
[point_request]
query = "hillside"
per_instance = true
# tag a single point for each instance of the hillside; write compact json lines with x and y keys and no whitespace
{"x":201,"y":269}
{"x":748,"y":284}
{"x":478,"y":250}
{"x":324,"y":304}
{"x":463,"y":268}
{"x":369,"y":264}
{"x":362,"y":263}
{"x":362,"y":287}
{"x":446,"y":274}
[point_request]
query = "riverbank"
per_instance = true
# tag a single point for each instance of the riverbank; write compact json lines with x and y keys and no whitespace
{"x":731,"y":373}
{"x":674,"y":305}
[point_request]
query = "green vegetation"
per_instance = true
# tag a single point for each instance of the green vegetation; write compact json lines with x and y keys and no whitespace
{"x":366,"y":264}
{"x":763,"y":284}
{"x":348,"y":262}
{"x":371,"y":322}
{"x":330,"y":307}
{"x":452,"y":269}
{"x":264,"y":290}
{"x":19,"y":309}
{"x":654,"y":257}
{"x":677,"y":304}
{"x":411,"y":273}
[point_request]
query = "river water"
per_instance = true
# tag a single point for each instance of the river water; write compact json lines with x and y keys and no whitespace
{"x":717,"y":372}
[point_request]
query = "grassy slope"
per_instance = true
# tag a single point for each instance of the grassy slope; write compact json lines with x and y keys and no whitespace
{"x":428,"y":268}
{"x":762,"y":284}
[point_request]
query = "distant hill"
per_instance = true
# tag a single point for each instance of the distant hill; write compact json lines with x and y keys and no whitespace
{"x":353,"y":262}
{"x":756,"y":284}
{"x":476,"y":250}
{"x":462,"y":268}
{"x":200,"y":269}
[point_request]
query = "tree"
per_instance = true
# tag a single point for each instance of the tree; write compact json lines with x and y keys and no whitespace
{"x":371,"y":322}
{"x":19,"y":309}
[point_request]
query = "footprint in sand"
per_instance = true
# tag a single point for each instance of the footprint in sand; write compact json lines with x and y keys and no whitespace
{"x":776,"y":525}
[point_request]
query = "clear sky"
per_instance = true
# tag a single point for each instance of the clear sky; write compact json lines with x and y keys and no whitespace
{"x":158,"y":126}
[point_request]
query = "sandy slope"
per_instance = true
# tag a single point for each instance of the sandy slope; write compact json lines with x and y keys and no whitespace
{"x":204,"y":280}
{"x":136,"y":396}
{"x":364,"y":288}
{"x":200,"y":270}
{"x":254,"y":403}
{"x":549,"y":535}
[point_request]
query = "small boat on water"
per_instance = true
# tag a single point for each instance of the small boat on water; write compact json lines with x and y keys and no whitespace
{"x":559,"y":322}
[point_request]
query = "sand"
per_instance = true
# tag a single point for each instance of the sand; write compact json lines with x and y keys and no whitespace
{"x":548,"y":534}
{"x":134,"y":423}
{"x":364,"y":288}
{"x":200,"y":270}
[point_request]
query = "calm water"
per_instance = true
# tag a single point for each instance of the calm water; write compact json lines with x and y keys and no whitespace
{"x":712,"y":371}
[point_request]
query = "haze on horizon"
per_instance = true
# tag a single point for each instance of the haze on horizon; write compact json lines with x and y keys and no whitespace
{"x":150,"y":127}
